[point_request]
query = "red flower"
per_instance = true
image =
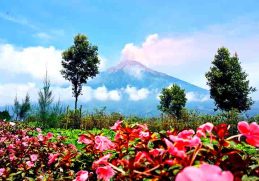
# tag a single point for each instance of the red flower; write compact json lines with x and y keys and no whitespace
{"x":82,"y":175}
{"x":105,"y":173}
{"x":157,"y":152}
{"x":103,"y":143}
{"x":49,"y":135}
{"x":251,"y":132}
{"x":52,"y":158}
{"x":83,"y":139}
{"x":179,"y":152}
{"x":221,"y":130}
{"x":205,"y":172}
{"x":141,"y":157}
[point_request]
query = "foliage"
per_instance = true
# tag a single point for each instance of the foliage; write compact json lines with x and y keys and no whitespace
{"x":135,"y":152}
{"x":21,"y":110}
{"x":172,"y":100}
{"x":28,"y":157}
{"x":228,"y":83}
{"x":127,"y":152}
{"x":45,"y":100}
{"x":16,"y":108}
{"x":80,"y":62}
{"x":5,"y":115}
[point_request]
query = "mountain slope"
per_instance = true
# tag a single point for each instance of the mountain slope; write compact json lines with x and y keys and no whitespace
{"x":132,"y":73}
{"x":131,"y":77}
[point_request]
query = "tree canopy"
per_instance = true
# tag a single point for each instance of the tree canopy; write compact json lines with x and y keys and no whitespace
{"x":172,"y":100}
{"x":228,"y":83}
{"x":80,"y":62}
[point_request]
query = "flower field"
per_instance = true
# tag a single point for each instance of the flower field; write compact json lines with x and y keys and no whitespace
{"x":130,"y":152}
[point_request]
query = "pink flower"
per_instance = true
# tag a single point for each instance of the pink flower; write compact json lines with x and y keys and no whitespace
{"x":25,"y":144}
{"x":175,"y":151}
{"x":49,"y":135}
{"x":30,"y":164}
{"x":82,"y":139}
{"x":203,"y":129}
{"x":157,"y":152}
{"x":34,"y":157}
{"x":102,"y":161}
{"x":116,"y":126}
{"x":2,"y":139}
{"x":82,"y":175}
{"x":12,"y":157}
{"x":105,"y":173}
{"x":251,"y":132}
{"x":144,"y":135}
{"x":186,"y":138}
{"x":40,"y":137}
{"x":38,"y":129}
{"x":11,"y":146}
{"x":2,"y":170}
{"x":52,"y":158}
{"x":103,"y":143}
{"x":181,"y":141}
{"x":205,"y":172}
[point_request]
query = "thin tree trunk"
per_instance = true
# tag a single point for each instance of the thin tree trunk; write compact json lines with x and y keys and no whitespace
{"x":76,"y":97}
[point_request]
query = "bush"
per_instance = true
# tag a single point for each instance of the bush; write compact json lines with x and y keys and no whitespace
{"x":4,"y":115}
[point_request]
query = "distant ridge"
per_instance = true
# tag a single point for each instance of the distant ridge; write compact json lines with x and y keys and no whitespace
{"x":133,"y":73}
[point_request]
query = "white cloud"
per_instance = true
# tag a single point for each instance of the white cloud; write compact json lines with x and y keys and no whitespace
{"x":102,"y":65}
{"x":44,"y":36}
{"x":135,"y":71}
{"x":102,"y":94}
{"x":9,"y":91}
{"x":158,"y":51}
{"x":189,"y":56}
{"x":114,"y":95}
{"x":17,"y":19}
{"x":136,"y":94}
{"x":32,"y":61}
{"x":195,"y":97}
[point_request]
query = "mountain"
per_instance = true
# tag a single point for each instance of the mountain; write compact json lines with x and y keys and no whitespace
{"x":131,"y":77}
{"x":133,"y":73}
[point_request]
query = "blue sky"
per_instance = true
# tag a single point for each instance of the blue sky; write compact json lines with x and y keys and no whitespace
{"x":179,"y":38}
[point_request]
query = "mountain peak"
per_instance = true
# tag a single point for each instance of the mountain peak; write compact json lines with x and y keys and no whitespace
{"x":128,"y":64}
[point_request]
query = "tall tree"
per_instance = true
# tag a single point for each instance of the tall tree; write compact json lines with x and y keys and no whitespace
{"x":21,"y":110}
{"x":172,"y":100}
{"x":25,"y":107}
{"x":228,"y":83}
{"x":80,"y":62}
{"x":45,"y":100}
{"x":16,"y":108}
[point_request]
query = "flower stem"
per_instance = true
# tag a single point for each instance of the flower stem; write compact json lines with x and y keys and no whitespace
{"x":235,"y":136}
{"x":118,"y":169}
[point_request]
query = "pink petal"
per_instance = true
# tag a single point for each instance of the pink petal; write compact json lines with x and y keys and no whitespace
{"x":190,"y":174}
{"x":105,"y":173}
{"x":243,"y":127}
